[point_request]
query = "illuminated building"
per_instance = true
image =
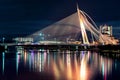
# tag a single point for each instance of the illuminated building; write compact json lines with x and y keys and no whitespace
{"x":106,"y":36}
{"x":23,"y":39}
{"x":106,"y":30}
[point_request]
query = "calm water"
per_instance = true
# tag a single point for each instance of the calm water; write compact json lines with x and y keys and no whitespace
{"x":57,"y":65}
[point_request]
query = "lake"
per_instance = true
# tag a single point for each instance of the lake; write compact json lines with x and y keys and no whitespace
{"x":58,"y":64}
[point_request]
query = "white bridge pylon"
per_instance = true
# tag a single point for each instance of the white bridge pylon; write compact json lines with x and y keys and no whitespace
{"x":82,"y":27}
{"x":85,"y":25}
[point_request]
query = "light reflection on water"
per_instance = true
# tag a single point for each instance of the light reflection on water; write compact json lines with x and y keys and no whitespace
{"x":3,"y":62}
{"x":63,"y":65}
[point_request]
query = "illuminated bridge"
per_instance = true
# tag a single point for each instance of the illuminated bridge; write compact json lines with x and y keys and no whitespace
{"x":77,"y":28}
{"x":75,"y":32}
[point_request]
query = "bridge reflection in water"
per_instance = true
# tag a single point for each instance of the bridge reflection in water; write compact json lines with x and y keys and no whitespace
{"x":61,"y":65}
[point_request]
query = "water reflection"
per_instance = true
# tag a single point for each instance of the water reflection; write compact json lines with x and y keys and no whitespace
{"x":63,"y":65}
{"x":3,"y":62}
{"x":17,"y":61}
{"x":105,"y":67}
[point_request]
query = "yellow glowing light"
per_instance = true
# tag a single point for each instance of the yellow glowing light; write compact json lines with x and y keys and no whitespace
{"x":25,"y":57}
{"x":56,"y":71}
{"x":83,"y":70}
{"x":61,"y":65}
{"x":69,"y":70}
{"x":77,"y":76}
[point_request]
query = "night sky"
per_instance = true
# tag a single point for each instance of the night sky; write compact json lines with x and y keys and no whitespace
{"x":23,"y":17}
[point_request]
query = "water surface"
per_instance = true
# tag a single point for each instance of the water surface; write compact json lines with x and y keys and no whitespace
{"x":57,"y":65}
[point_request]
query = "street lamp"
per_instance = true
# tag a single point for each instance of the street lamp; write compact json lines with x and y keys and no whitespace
{"x":3,"y":39}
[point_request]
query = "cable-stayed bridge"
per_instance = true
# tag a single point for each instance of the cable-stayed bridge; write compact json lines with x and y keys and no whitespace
{"x":78,"y":27}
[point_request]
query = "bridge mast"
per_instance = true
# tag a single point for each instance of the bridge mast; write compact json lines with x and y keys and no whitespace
{"x":82,"y":27}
